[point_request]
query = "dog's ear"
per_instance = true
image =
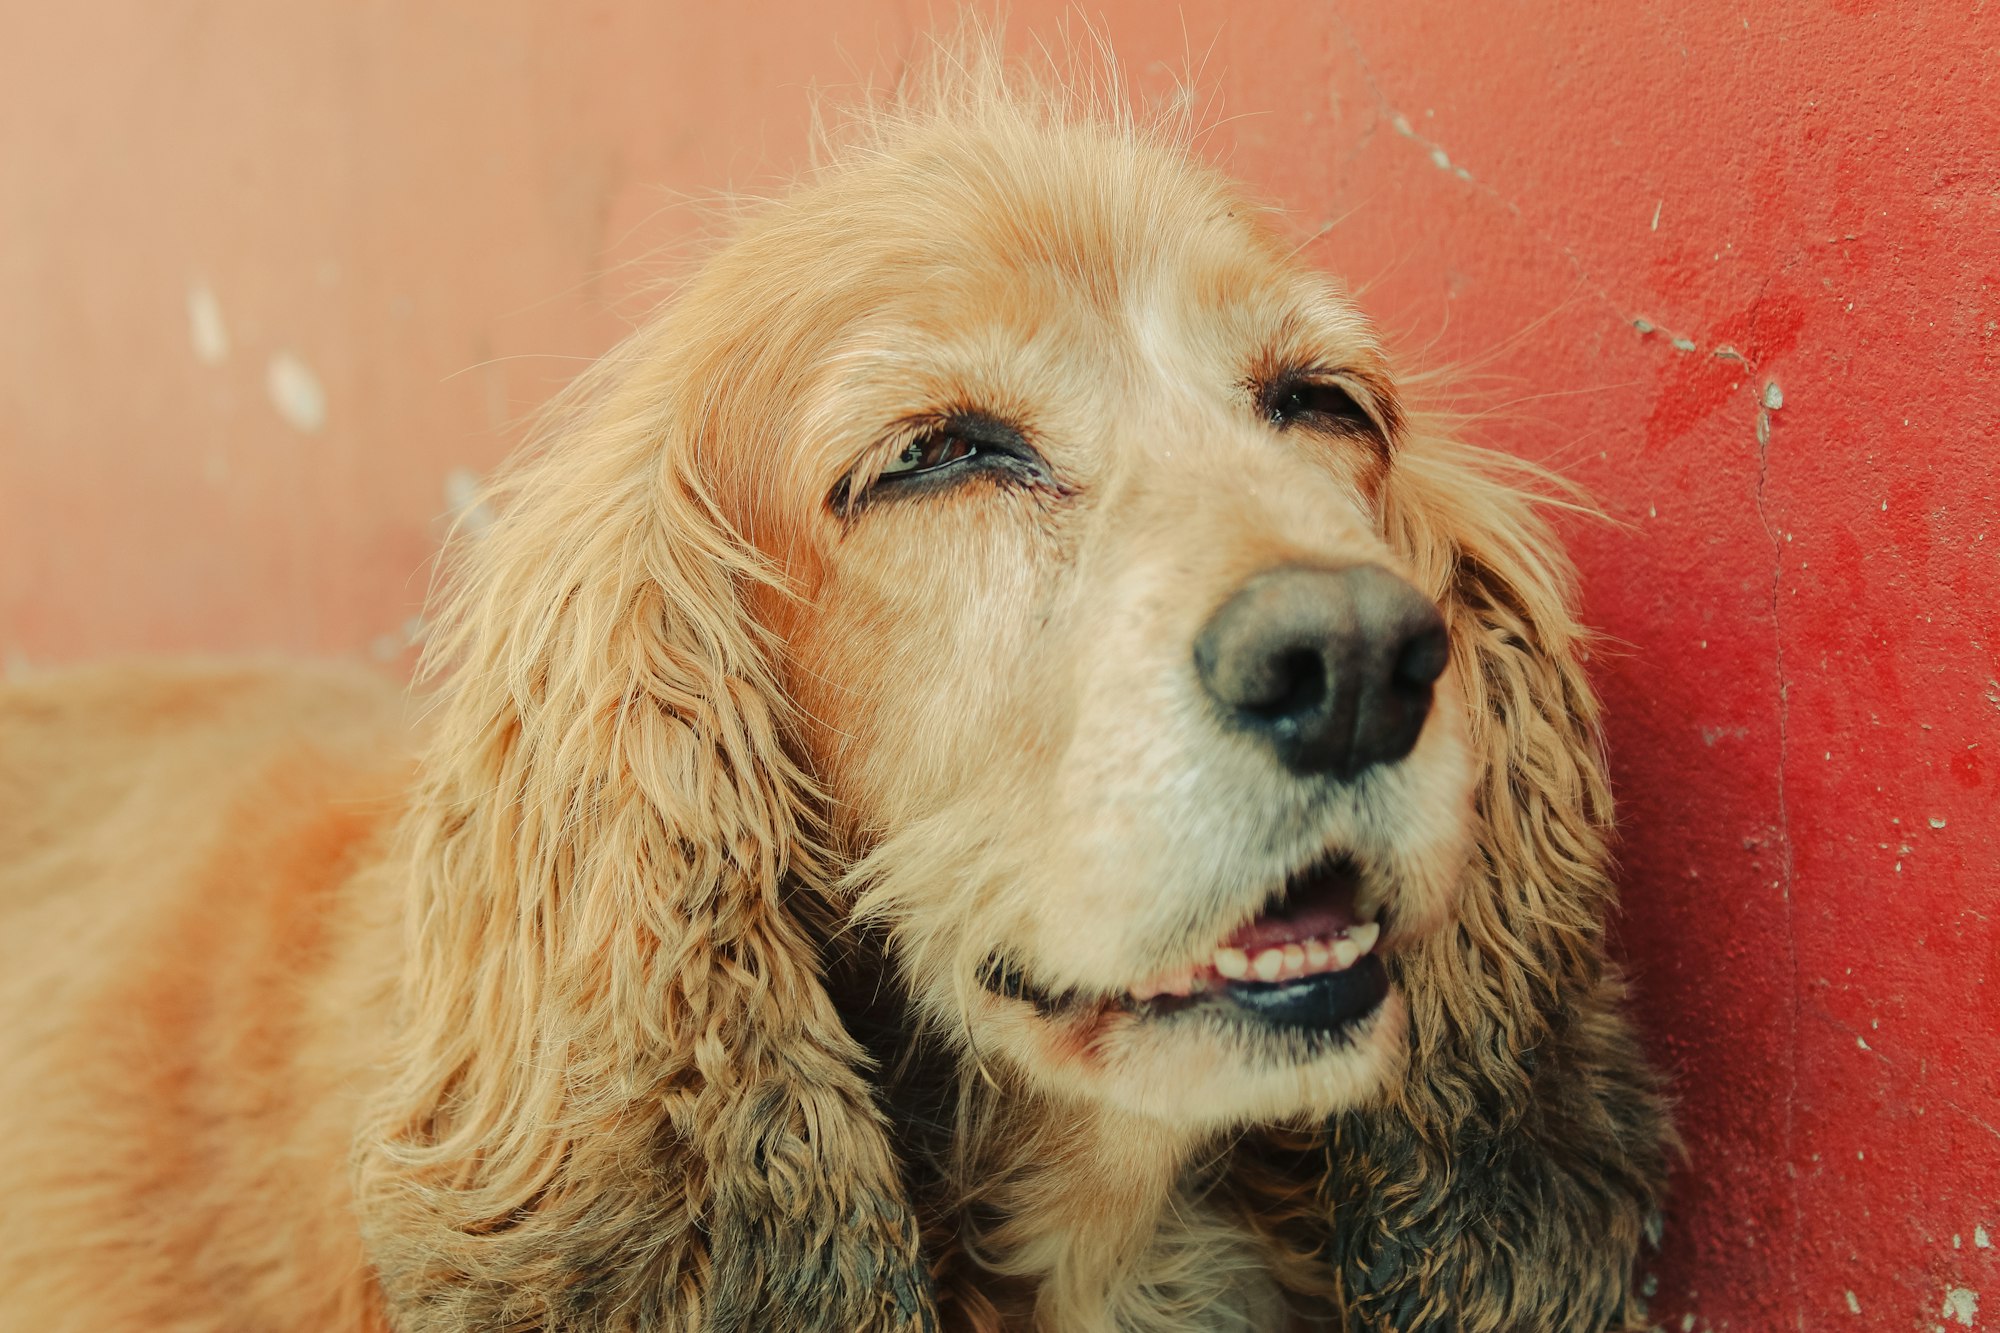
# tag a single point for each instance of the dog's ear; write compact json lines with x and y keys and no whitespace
{"x":1509,"y":1181}
{"x":621,"y":1097}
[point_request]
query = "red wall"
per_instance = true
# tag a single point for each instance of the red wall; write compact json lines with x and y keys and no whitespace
{"x":1633,"y":228}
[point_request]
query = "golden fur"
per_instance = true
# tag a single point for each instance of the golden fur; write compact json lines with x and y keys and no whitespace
{"x":637,"y":985}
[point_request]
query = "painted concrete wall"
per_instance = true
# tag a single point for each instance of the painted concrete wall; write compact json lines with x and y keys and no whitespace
{"x":277,"y":281}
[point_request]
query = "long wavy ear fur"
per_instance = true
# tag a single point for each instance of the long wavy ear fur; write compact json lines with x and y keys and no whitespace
{"x":621,"y":1097}
{"x":1511,"y":1182}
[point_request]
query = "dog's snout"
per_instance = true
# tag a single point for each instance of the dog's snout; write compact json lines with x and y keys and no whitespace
{"x":1332,"y":668}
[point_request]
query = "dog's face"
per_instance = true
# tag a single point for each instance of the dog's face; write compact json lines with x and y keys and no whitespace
{"x":1146,"y":745}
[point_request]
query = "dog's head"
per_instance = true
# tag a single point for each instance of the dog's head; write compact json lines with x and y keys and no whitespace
{"x":1146,"y":737}
{"x":1004,"y":543}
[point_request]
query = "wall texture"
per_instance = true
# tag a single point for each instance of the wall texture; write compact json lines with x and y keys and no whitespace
{"x":279,"y":282}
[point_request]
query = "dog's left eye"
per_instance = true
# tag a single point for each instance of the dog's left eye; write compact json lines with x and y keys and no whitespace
{"x":1317,"y":405}
{"x":931,"y":451}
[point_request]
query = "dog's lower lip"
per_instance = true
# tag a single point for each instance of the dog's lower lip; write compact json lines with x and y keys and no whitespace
{"x":1322,"y":1002}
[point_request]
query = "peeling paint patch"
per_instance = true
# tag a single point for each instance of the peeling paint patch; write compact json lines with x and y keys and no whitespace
{"x":1980,"y":1239}
{"x":296,"y":393}
{"x":1774,"y":397}
{"x":206,"y":330}
{"x":1962,"y":1304}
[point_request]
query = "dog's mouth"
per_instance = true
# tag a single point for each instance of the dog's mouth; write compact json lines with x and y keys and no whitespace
{"x":1308,"y":960}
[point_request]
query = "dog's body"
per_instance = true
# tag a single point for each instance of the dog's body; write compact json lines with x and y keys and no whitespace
{"x":993,"y":773}
{"x":197,"y":981}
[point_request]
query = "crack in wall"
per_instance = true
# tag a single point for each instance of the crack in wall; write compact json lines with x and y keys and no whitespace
{"x":1771,"y":399}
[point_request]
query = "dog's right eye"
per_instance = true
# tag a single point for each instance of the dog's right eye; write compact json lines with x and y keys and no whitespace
{"x":944,"y":452}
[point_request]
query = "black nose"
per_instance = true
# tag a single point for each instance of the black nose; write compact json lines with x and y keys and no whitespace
{"x":1332,"y":668}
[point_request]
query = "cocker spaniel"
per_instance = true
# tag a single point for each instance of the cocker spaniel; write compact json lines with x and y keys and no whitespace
{"x":993,"y":772}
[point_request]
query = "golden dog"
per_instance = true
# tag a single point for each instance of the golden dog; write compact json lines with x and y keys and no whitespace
{"x":992,"y":773}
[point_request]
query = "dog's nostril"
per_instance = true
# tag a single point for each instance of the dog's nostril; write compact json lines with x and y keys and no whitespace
{"x":1423,"y":658}
{"x":1331,"y":668}
{"x":1295,"y":683}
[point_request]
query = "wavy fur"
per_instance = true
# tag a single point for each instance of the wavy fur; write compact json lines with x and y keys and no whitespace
{"x":655,"y":1000}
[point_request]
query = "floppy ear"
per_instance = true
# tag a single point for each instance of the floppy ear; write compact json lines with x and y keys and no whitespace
{"x":621,"y":1098}
{"x":1509,"y":1183}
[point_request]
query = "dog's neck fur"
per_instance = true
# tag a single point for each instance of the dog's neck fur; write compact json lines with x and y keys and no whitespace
{"x":1106,"y":1219}
{"x":1047,"y":1215}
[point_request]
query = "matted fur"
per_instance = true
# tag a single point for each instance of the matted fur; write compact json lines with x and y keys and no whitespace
{"x":652,"y":1000}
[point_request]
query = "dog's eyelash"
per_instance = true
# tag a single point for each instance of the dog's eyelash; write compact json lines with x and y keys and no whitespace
{"x":929,"y":452}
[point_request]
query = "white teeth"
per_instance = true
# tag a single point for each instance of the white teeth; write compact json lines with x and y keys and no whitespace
{"x":1282,"y":962}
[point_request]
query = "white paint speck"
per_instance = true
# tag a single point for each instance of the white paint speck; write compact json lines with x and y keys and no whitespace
{"x":296,"y":393}
{"x":1687,"y":1323}
{"x":1862,"y":1042}
{"x":1684,"y":344}
{"x":1853,"y":1306}
{"x":1774,"y":397}
{"x":1440,"y":159}
{"x":1937,"y":821}
{"x":1980,"y":1239}
{"x":205,"y":327}
{"x":1962,"y":1304}
{"x":1656,"y":213}
{"x":462,"y":499}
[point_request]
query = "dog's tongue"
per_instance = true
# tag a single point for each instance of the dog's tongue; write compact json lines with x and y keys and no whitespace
{"x":1321,"y":907}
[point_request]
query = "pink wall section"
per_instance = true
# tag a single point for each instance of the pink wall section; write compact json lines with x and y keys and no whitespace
{"x":1731,"y":265}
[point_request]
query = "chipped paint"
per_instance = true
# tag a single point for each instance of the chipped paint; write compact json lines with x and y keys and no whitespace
{"x":1962,"y":1304}
{"x":295,"y":391}
{"x":1439,"y":158}
{"x":1853,"y":1306}
{"x":206,"y":331}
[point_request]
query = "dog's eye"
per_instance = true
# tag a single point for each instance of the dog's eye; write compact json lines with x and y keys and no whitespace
{"x":929,"y":452}
{"x":946,"y":451}
{"x":1317,"y":405}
